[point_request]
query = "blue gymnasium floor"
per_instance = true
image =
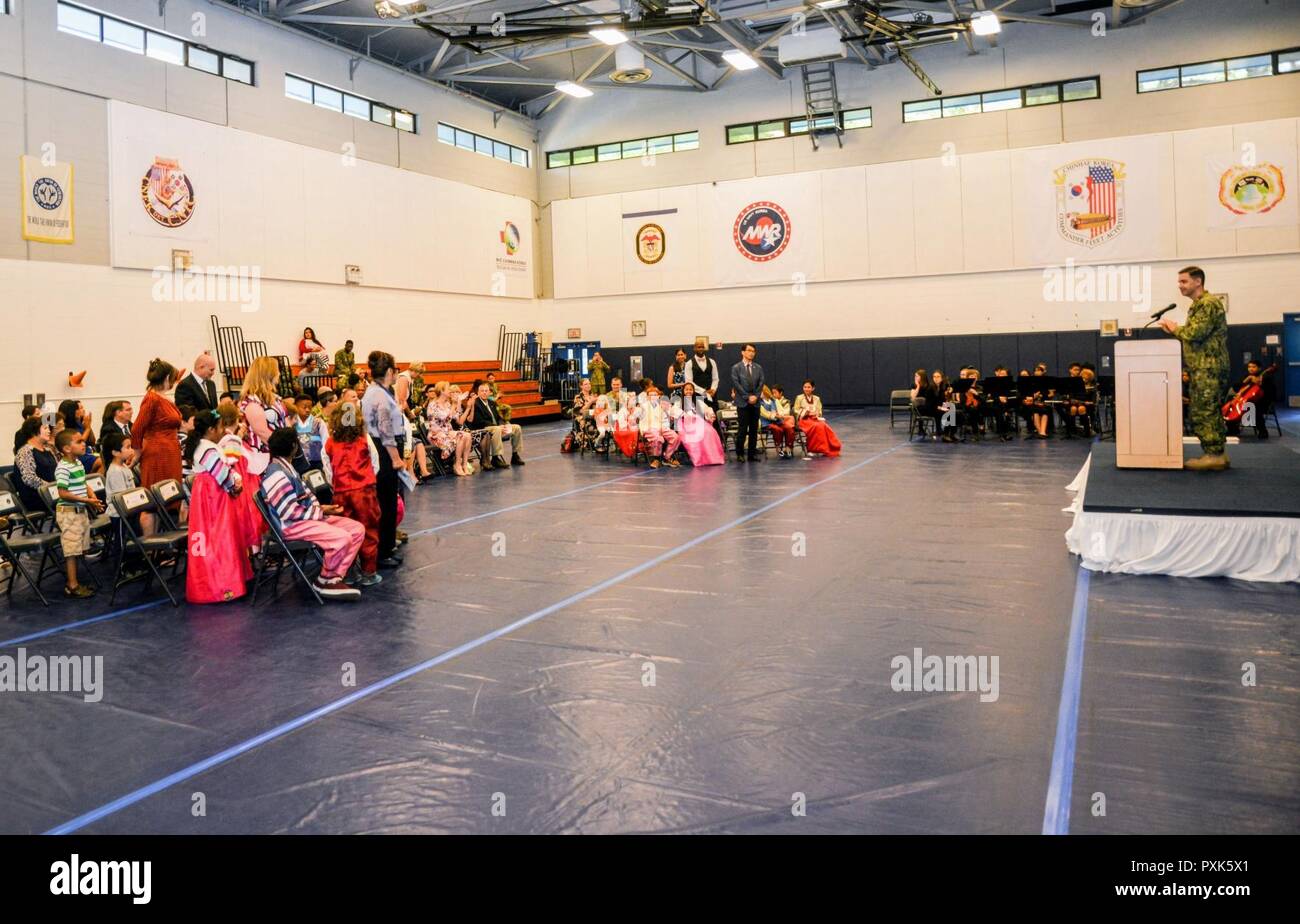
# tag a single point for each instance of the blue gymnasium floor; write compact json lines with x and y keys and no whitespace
{"x":482,"y":679}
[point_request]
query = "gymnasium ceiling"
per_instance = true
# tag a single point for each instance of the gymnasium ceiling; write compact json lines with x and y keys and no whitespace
{"x":452,"y":42}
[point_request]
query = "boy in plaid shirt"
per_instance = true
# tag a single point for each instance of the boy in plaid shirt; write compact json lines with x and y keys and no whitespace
{"x":71,"y":512}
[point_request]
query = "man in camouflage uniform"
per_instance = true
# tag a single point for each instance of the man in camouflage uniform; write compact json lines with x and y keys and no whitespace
{"x":1205,"y":355}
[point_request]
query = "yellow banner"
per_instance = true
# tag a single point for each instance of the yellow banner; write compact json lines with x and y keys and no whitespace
{"x":47,"y":213}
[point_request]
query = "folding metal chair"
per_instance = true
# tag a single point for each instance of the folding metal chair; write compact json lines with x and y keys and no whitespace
{"x":275,"y":545}
{"x":169,"y":495}
{"x":314,"y":479}
{"x":28,"y":542}
{"x":100,"y":526}
{"x":900,"y":402}
{"x":173,"y":543}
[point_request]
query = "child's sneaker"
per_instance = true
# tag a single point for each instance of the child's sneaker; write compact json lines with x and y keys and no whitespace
{"x":370,"y":580}
{"x":337,"y":590}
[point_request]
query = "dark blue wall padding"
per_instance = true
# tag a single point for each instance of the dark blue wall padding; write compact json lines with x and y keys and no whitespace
{"x":865,"y":370}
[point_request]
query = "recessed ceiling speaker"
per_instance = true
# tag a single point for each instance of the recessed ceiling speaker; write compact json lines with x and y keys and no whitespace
{"x":629,"y":65}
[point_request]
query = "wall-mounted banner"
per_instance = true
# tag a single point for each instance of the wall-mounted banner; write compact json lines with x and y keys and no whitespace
{"x":1251,"y":195}
{"x":509,"y":259}
{"x":47,"y":210}
{"x":1093,"y":201}
{"x":766,"y":230}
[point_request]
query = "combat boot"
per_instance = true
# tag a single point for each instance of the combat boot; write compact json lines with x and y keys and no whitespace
{"x":1208,"y":463}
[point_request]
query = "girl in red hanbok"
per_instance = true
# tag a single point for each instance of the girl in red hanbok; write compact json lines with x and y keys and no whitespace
{"x":217,"y":569}
{"x":822,"y":440}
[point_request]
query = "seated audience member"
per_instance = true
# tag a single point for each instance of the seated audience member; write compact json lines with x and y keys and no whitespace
{"x":583,"y":410}
{"x":695,"y":423}
{"x":622,"y":408}
{"x":78,"y":418}
{"x":218,"y":568}
{"x":74,"y":508}
{"x":34,"y":462}
{"x":353,"y":472}
{"x":493,"y":387}
{"x":774,"y":411}
{"x":312,"y":355}
{"x":1068,"y":412}
{"x":656,"y":428}
{"x":1254,"y":376}
{"x":444,"y":438}
{"x":486,"y":415}
{"x":311,"y":431}
{"x":301,"y":516}
{"x":821,"y":439}
{"x":480,"y":440}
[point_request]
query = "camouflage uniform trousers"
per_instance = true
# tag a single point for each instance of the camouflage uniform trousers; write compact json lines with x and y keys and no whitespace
{"x":1204,"y":411}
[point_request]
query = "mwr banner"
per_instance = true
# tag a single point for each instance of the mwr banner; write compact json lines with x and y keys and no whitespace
{"x":1094,"y":201}
{"x":766,"y":230}
{"x":47,"y":201}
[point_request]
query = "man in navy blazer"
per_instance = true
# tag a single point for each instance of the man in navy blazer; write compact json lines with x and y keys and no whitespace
{"x":747,"y":381}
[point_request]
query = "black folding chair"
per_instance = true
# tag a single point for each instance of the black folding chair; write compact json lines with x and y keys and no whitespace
{"x":314,"y":479}
{"x":36,"y":520}
{"x":154,"y":548}
{"x":27,"y":542}
{"x":169,"y":495}
{"x":277,"y":549}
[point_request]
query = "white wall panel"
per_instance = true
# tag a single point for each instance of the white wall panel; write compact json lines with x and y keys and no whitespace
{"x":891,"y":242}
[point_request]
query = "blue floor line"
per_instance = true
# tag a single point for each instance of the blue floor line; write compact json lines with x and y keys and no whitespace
{"x":81,"y":622}
{"x":285,"y":728}
{"x":1056,"y":811}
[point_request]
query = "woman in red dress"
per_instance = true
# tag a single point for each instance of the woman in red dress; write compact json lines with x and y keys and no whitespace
{"x":157,"y":427}
{"x":821,"y":439}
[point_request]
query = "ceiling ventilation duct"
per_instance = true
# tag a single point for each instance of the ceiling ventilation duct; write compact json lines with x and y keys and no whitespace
{"x":629,"y":65}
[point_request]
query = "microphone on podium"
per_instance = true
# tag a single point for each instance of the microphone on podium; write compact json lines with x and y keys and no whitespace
{"x":1164,"y":311}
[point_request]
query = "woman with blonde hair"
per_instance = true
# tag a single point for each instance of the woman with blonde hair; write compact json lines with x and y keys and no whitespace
{"x":443,"y":436}
{"x":263,"y":412}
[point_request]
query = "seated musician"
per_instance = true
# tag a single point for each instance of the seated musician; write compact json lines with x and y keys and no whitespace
{"x":972,"y":404}
{"x":1187,"y":401}
{"x":1255,"y":387}
{"x":1001,"y":410}
{"x":1067,"y":412}
{"x":1082,"y":410}
{"x":938,"y":400}
{"x":1034,"y":406}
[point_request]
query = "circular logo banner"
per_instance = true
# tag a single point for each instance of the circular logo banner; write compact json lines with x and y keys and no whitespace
{"x":762,"y":231}
{"x":167,"y":193}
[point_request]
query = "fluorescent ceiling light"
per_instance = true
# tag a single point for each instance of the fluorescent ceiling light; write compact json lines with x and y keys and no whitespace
{"x":675,"y":9}
{"x":985,"y":23}
{"x":832,"y":4}
{"x":739,"y":60}
{"x":573,"y":89}
{"x":609,"y":36}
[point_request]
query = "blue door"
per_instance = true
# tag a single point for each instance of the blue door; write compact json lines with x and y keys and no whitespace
{"x":1291,"y":356}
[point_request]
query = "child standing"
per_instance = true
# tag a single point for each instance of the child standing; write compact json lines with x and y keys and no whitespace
{"x":349,"y":453}
{"x":74,"y":502}
{"x":231,"y":446}
{"x":218,"y":567}
{"x":311,"y":434}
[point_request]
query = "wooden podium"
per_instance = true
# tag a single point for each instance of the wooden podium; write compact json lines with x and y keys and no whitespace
{"x":1149,"y":404}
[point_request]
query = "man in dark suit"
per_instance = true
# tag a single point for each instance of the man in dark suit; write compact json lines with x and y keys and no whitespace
{"x":197,"y":389}
{"x":747,"y":382}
